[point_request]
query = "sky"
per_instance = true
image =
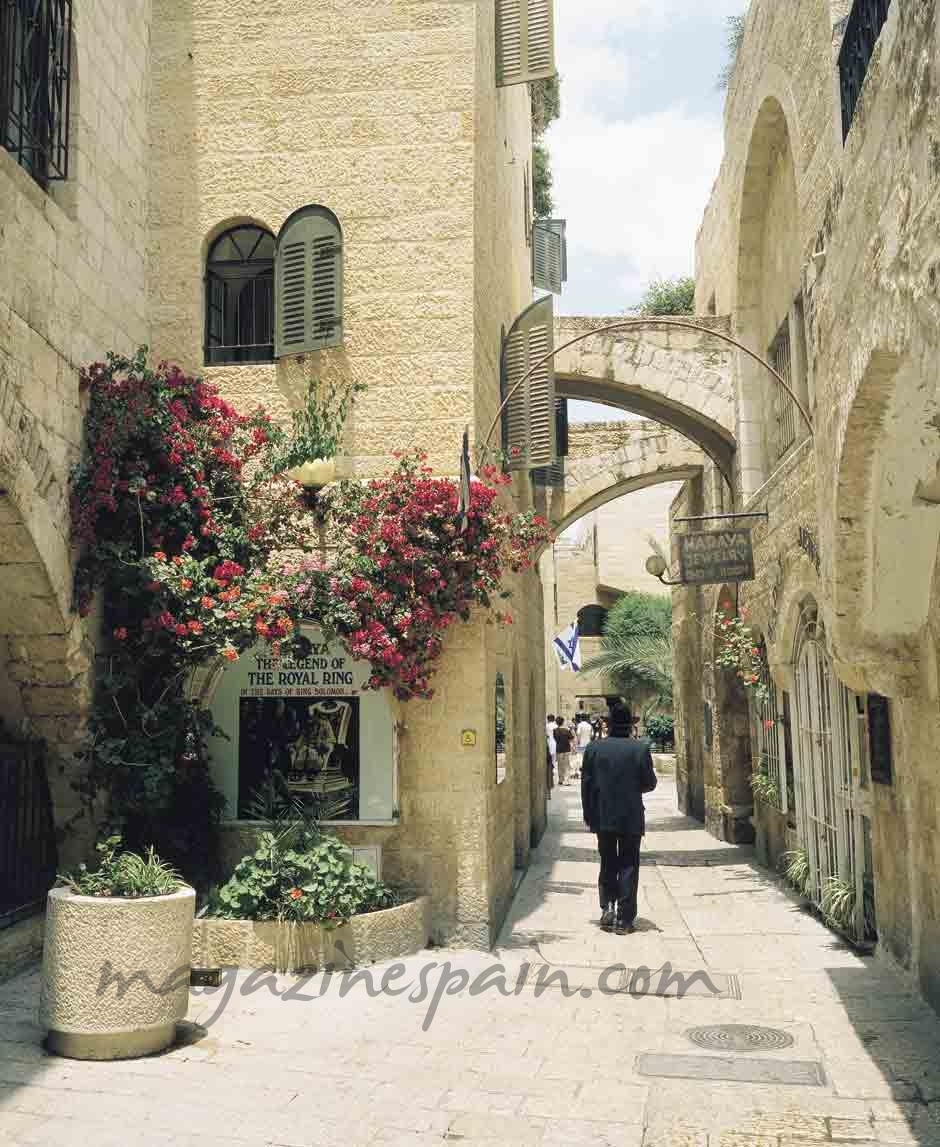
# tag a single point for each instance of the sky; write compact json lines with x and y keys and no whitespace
{"x":639,"y":141}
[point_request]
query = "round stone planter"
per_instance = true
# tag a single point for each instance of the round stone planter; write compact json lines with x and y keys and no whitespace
{"x":315,"y":473}
{"x":115,"y":973}
{"x":287,"y":947}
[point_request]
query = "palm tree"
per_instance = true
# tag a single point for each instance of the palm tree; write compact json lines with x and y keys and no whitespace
{"x":640,"y":662}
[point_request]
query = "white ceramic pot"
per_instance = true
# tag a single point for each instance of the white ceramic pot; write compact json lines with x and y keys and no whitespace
{"x":318,"y":472}
{"x":115,"y":972}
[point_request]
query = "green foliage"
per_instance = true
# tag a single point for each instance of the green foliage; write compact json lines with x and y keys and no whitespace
{"x":638,"y":614}
{"x":317,"y":428}
{"x":668,"y":297}
{"x":798,"y":871}
{"x":124,"y":874}
{"x":546,"y":107}
{"x":300,"y":876}
{"x":765,"y":788}
{"x":636,"y":651}
{"x":542,"y":202}
{"x":546,"y":103}
{"x":838,"y":903}
{"x":661,"y":728}
{"x":735,"y":39}
{"x":737,"y":647}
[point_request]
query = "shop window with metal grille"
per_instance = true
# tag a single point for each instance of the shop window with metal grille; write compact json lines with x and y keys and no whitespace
{"x":783,"y":410}
{"x":862,"y":30}
{"x":35,"y":62}
{"x":240,"y":297}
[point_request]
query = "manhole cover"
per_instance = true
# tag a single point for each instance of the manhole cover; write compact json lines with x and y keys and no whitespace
{"x":739,"y":1037}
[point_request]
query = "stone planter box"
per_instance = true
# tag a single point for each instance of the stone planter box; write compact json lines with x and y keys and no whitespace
{"x":287,"y":947}
{"x":89,"y":942}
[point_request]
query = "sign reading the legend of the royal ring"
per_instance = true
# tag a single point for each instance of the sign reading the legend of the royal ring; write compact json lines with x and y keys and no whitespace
{"x":309,"y":724}
{"x":711,"y":557}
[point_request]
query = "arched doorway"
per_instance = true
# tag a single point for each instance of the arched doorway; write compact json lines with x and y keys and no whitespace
{"x":833,"y":787}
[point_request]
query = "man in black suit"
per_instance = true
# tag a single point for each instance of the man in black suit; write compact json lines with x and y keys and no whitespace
{"x":615,"y":774}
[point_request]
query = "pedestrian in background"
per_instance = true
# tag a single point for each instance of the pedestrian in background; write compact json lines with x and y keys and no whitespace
{"x":564,"y":739}
{"x":615,"y":774}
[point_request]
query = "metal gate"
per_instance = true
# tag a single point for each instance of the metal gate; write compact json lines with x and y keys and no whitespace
{"x":832,"y":789}
{"x":27,"y":831}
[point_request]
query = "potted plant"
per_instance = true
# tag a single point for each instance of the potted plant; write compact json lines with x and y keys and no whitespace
{"x":116,"y":956}
{"x":308,"y":455}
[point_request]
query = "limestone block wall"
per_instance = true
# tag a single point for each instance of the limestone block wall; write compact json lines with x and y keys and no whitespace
{"x":388,"y":115}
{"x":72,"y":286}
{"x":865,"y":488}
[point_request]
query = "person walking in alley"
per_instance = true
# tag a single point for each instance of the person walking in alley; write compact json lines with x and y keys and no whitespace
{"x":615,"y":773}
{"x":564,"y":739}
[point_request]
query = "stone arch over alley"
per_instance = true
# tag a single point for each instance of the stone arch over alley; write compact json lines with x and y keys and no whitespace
{"x":683,"y":379}
{"x":609,"y":459}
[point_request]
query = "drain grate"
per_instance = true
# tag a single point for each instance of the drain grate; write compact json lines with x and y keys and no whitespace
{"x":799,"y":1073}
{"x":739,"y":1037}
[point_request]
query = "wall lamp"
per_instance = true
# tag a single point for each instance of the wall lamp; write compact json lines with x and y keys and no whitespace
{"x":657,"y":566}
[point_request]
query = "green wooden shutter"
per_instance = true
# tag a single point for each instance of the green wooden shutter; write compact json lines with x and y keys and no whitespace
{"x":309,"y":280}
{"x":549,"y":255}
{"x":525,"y":41}
{"x":530,"y":423}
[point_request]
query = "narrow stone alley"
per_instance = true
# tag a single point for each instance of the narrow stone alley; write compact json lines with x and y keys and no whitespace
{"x":850,"y":1054}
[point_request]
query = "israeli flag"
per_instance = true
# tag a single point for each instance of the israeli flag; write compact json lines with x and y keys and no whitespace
{"x":567,"y":648}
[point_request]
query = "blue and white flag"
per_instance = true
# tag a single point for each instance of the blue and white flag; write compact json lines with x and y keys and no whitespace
{"x":567,"y":646}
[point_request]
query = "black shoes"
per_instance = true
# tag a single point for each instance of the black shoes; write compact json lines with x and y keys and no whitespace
{"x":607,"y":920}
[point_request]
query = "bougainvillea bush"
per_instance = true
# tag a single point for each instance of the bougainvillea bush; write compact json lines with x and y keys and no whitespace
{"x":409,"y":566}
{"x":161,"y":485}
{"x":201,"y":550}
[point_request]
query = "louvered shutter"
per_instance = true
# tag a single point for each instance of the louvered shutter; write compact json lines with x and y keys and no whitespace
{"x":549,"y":255}
{"x":525,"y":41}
{"x":554,"y":475}
{"x":530,"y":422}
{"x":309,"y":278}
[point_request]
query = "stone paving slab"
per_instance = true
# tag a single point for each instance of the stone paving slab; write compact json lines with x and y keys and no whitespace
{"x":512,"y":1065}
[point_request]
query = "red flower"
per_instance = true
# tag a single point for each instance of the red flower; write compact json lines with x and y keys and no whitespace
{"x":180,"y":630}
{"x":195,"y":627}
{"x":230,"y":654}
{"x":296,"y":894}
{"x":160,"y":556}
{"x":207,"y":603}
{"x":186,"y":583}
{"x":121,"y":633}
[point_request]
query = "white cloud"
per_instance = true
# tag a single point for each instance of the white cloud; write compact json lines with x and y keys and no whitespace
{"x":639,"y":143}
{"x":635,"y":189}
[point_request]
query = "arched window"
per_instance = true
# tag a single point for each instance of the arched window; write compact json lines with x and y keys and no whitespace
{"x":240,"y":296}
{"x":309,"y":282}
{"x":591,"y":620}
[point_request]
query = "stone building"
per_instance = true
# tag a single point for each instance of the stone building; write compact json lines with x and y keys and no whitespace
{"x":820,"y":243}
{"x":205,"y":143}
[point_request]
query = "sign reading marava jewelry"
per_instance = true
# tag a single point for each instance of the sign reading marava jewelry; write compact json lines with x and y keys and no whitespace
{"x":711,"y":557}
{"x":307,"y":724}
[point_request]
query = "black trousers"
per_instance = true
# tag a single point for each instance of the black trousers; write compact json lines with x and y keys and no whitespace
{"x":619,"y":880}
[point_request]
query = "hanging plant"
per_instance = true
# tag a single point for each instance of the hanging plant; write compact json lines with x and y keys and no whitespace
{"x":737,"y":648}
{"x":307,"y":453}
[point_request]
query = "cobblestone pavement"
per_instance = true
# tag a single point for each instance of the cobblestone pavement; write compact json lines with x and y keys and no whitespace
{"x":529,"y":1067}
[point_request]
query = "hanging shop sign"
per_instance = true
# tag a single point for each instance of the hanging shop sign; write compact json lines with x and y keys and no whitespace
{"x":712,"y":557}
{"x":310,"y":721}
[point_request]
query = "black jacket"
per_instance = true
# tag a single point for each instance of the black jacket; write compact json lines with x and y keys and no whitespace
{"x":614,"y":775}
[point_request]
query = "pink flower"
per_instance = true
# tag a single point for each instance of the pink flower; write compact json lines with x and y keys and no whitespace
{"x":121,"y":633}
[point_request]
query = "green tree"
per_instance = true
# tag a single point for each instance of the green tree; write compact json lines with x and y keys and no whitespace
{"x":545,"y":96}
{"x":668,"y":297}
{"x":636,"y":650}
{"x":735,"y":39}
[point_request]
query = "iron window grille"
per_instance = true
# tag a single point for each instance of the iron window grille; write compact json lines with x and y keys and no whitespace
{"x":35,"y":60}
{"x":862,"y":30}
{"x":240,"y":297}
